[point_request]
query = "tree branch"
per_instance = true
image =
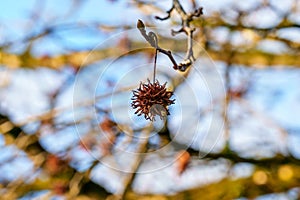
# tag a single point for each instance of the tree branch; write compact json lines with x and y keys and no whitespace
{"x":186,"y":18}
{"x":153,"y":41}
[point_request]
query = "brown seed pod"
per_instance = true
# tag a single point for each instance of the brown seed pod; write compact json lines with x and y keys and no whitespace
{"x":152,"y":99}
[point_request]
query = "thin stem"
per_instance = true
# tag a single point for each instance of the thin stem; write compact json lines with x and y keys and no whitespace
{"x":154,"y":68}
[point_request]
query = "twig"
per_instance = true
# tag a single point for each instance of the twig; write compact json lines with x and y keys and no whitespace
{"x":152,"y":39}
{"x":186,"y":18}
{"x":168,"y":16}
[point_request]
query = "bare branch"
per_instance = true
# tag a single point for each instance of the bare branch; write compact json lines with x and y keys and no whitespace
{"x":167,"y":17}
{"x":153,"y":41}
{"x":186,"y":18}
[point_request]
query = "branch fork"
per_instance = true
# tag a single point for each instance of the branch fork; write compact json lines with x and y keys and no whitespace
{"x":151,"y":38}
{"x":186,"y":18}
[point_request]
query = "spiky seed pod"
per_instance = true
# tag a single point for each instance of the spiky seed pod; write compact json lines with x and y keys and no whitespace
{"x":152,"y":99}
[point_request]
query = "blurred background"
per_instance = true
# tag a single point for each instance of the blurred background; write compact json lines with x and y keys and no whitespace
{"x":67,"y":69}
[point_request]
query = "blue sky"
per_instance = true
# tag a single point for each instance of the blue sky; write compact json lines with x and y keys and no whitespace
{"x":16,"y":23}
